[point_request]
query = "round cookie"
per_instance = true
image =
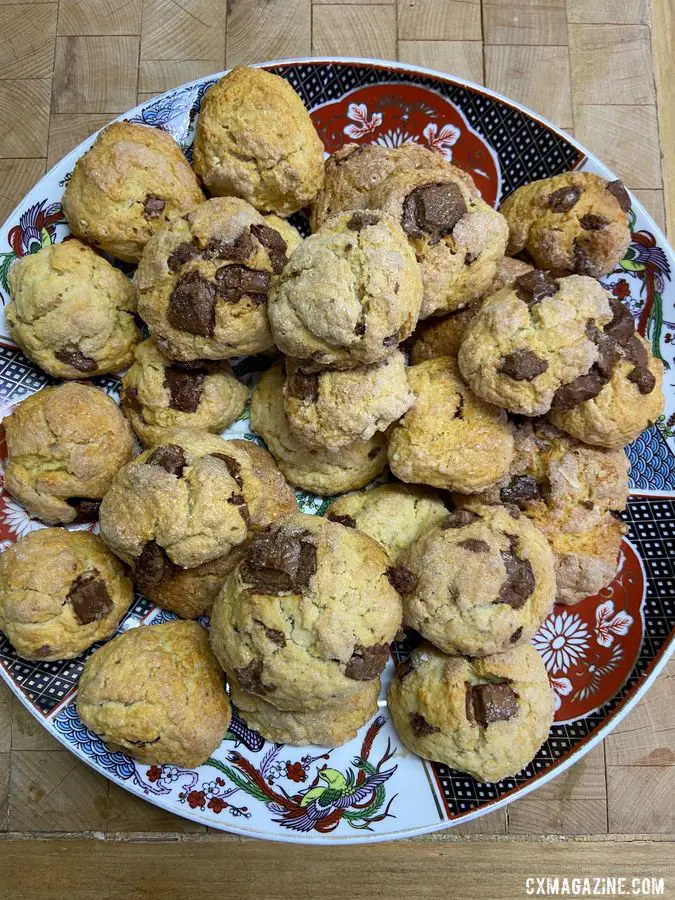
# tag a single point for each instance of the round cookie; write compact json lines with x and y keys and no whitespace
{"x":64,"y":445}
{"x":487,"y":717}
{"x":255,"y":140}
{"x":71,"y":312}
{"x":457,"y":238}
{"x":308,"y":616}
{"x":204,"y":278}
{"x":158,"y":394}
{"x":574,"y":223}
{"x":393,"y":514}
{"x":156,"y":692}
{"x":332,"y":409}
{"x":60,"y":592}
{"x":188,"y":501}
{"x":480,"y":582}
{"x":320,"y":471}
{"x":189,"y":593}
{"x":329,"y":726}
{"x":130,"y":182}
{"x":349,"y":294}
{"x":450,"y":438}
{"x":528,"y":341}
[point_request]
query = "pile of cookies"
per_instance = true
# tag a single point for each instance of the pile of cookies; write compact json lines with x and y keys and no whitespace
{"x":471,"y":352}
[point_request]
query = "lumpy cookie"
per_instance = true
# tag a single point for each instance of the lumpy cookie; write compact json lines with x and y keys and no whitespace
{"x":129,"y":183}
{"x":308,"y":616}
{"x":60,"y":592}
{"x":349,"y":294}
{"x":204,"y":279}
{"x":329,"y":726}
{"x":450,"y":438}
{"x":320,"y":471}
{"x":255,"y":140}
{"x":189,"y":593}
{"x":159,"y":394}
{"x":574,"y":223}
{"x":333,"y":408}
{"x":487,"y":717}
{"x":188,"y":501}
{"x":482,"y":580}
{"x":72,"y":312}
{"x":529,"y":341}
{"x":64,"y":445}
{"x":457,"y":238}
{"x":157,"y":693}
{"x":393,"y":514}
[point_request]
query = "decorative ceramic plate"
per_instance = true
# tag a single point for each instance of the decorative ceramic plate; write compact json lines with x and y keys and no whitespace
{"x":601,"y":655}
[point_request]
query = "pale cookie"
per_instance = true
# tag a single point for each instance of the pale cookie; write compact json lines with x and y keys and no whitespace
{"x":64,"y":445}
{"x":130,"y":182}
{"x":60,"y":592}
{"x":255,"y":140}
{"x":308,"y":616}
{"x":157,"y":693}
{"x":349,"y":294}
{"x":487,"y":717}
{"x":204,"y":279}
{"x":158,"y":394}
{"x":320,"y":471}
{"x":450,"y":438}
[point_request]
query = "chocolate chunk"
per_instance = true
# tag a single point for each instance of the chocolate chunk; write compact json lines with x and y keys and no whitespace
{"x":86,"y":509}
{"x":404,"y":668}
{"x":233,"y":467}
{"x":532,"y":287}
{"x":152,"y":566}
{"x":185,"y":389}
{"x":390,"y":341}
{"x":474,"y":545}
{"x":458,"y":518}
{"x":622,"y":326}
{"x":182,"y":254}
{"x":432,"y":209}
{"x":89,"y":598}
{"x":522,"y":365}
{"x":235,"y":282}
{"x":374,"y":452}
{"x":43,"y":651}
{"x":513,"y":510}
{"x":619,"y":192}
{"x":583,"y":388}
{"x":303,"y":387}
{"x":520,"y":489}
{"x":71,"y":356}
{"x":420,"y":725}
{"x":239,"y":501}
{"x":277,"y":637}
{"x":636,"y":353}
{"x":170,"y":457}
{"x":459,"y":412}
{"x":401,"y":579}
{"x":360,"y":328}
{"x":192,"y":305}
{"x":239,"y":250}
{"x":643,"y":378}
{"x":608,"y":352}
{"x":487,"y":703}
{"x":366,"y":663}
{"x":591,"y":222}
{"x":582,"y":263}
{"x":269,"y":238}
{"x":153,"y":206}
{"x":564,"y":198}
{"x":129,"y":398}
{"x":250,"y":678}
{"x":519,"y":582}
{"x":347,"y":521}
{"x":588,"y":504}
{"x":279,"y":562}
{"x":361,"y":219}
{"x":515,"y":637}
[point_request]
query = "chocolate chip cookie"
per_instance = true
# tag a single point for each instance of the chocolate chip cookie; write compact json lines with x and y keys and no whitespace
{"x":129,"y":183}
{"x":321,"y":471}
{"x":204,"y":279}
{"x":450,"y":438}
{"x":159,"y":394}
{"x":308,"y":616}
{"x":255,"y":140}
{"x":60,"y":592}
{"x":574,"y":223}
{"x":157,"y":693}
{"x":64,"y":445}
{"x":349,"y":294}
{"x":527,"y":343}
{"x":487,"y":717}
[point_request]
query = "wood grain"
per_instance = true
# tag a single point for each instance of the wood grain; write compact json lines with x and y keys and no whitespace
{"x":95,"y":74}
{"x":367,"y":30}
{"x":611,"y":64}
{"x":523,"y":73}
{"x":66,"y":130}
{"x":267,"y":29}
{"x":24,"y":112}
{"x":517,"y":22}
{"x":17,"y":177}
{"x":618,"y":12}
{"x":451,"y":20}
{"x":99,"y":16}
{"x":461,"y":58}
{"x":189,"y":29}
{"x":27,"y":40}
{"x":663,"y":42}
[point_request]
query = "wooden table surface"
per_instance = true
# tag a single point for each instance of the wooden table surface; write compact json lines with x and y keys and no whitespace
{"x":599,"y":68}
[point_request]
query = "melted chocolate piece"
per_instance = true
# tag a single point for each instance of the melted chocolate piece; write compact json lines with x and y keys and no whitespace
{"x":152,"y":566}
{"x":520,"y":489}
{"x":643,"y":378}
{"x":235,"y":282}
{"x":582,"y":263}
{"x":360,"y":328}
{"x":182,"y":254}
{"x":619,"y":192}
{"x":636,"y":353}
{"x":420,"y":725}
{"x":276,"y":246}
{"x":591,"y":222}
{"x":239,"y":501}
{"x":522,"y":365}
{"x":303,"y":387}
{"x":233,"y":467}
{"x":515,"y":637}
{"x":361,"y":219}
{"x":532,"y":287}
{"x":474,"y":545}
{"x":432,"y":209}
{"x":250,"y":678}
{"x":401,"y":579}
{"x":366,"y":663}
{"x":89,"y":597}
{"x":519,"y":582}
{"x":86,"y":509}
{"x":153,"y":206}
{"x":170,"y":457}
{"x":238,"y":250}
{"x":622,"y":327}
{"x":43,"y":651}
{"x":185,"y":389}
{"x":583,"y":388}
{"x":192,"y":305}
{"x":277,"y":637}
{"x":458,"y":518}
{"x":129,"y":398}
{"x":71,"y":356}
{"x":608,"y":352}
{"x":487,"y":703}
{"x":277,"y":563}
{"x":390,"y":341}
{"x":562,"y":200}
{"x":374,"y":452}
{"x":459,"y":412}
{"x":347,"y":521}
